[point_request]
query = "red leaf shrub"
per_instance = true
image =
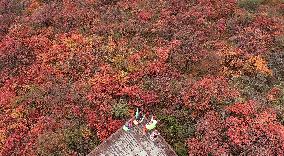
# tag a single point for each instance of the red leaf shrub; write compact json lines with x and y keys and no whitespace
{"x":255,"y":132}
{"x":246,"y":129}
{"x":199,"y":96}
{"x":144,"y":15}
{"x":65,"y":65}
{"x":208,"y":136}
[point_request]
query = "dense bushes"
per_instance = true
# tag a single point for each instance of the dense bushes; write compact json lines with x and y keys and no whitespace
{"x":244,"y":129}
{"x":72,"y":72}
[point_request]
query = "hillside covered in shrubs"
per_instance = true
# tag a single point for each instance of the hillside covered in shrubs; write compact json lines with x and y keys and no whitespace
{"x":73,"y":71}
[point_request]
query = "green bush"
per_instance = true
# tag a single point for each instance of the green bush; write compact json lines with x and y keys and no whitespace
{"x":250,"y":5}
{"x":176,"y":132}
{"x":120,"y":109}
{"x":181,"y":149}
{"x":75,"y":139}
{"x":51,"y":143}
{"x":79,"y":139}
{"x":280,"y":40}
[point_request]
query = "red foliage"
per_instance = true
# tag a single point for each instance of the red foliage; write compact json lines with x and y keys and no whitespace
{"x":102,"y":122}
{"x":63,"y":65}
{"x":7,"y":95}
{"x":209,"y":136}
{"x":247,"y":109}
{"x":199,"y":96}
{"x":246,"y":129}
{"x":163,"y":53}
{"x":144,"y":15}
{"x":274,"y":94}
{"x":256,"y":35}
{"x":256,"y":132}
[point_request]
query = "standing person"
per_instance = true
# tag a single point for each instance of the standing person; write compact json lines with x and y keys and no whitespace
{"x":139,"y":116}
{"x":127,"y":126}
{"x":151,"y":125}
